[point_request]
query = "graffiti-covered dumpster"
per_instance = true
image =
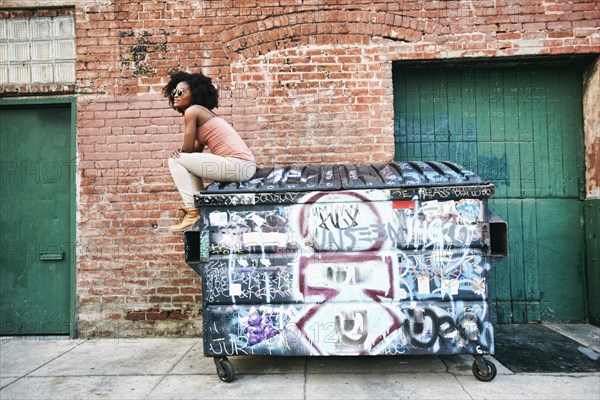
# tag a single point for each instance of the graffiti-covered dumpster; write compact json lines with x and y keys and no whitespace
{"x":391,"y":259}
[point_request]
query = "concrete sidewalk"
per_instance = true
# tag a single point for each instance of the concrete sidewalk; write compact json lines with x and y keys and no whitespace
{"x":63,"y":368}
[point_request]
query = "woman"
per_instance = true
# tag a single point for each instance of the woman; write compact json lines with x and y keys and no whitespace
{"x":229,"y":160}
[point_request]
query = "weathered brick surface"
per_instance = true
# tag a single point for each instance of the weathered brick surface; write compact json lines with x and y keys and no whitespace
{"x":303,"y":81}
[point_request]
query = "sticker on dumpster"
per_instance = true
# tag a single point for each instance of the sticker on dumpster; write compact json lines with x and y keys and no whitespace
{"x":218,"y":218}
{"x":423,"y":284}
{"x":264,"y":239}
{"x":235,"y":289}
{"x":400,"y":204}
{"x":258,"y":220}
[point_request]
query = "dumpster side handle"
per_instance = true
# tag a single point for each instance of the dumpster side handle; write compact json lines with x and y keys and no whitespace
{"x":498,"y":236}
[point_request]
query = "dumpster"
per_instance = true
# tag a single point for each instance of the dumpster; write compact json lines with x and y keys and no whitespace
{"x":353,"y":260}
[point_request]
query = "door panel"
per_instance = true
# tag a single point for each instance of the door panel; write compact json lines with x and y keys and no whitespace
{"x":521,"y":128}
{"x":35,"y":219}
{"x":560,"y":241}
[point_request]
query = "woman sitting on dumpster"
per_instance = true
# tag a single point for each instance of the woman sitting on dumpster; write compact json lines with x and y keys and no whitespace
{"x":229,"y":160}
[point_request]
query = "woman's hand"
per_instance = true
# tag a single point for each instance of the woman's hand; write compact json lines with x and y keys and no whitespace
{"x":175,"y":154}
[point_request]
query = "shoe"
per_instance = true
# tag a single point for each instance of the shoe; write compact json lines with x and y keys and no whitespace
{"x":190,"y":215}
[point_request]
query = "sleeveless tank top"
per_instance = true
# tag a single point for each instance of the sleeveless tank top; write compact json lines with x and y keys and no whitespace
{"x":223,"y":140}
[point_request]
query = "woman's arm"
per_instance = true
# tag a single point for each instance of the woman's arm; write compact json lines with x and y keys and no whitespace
{"x":191,"y":119}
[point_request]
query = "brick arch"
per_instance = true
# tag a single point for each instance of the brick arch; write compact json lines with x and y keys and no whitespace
{"x":318,"y":27}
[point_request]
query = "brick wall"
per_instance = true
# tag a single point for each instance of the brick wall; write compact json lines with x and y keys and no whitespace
{"x":303,"y":81}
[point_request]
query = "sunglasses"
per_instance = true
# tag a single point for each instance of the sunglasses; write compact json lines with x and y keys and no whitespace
{"x":178,"y":92}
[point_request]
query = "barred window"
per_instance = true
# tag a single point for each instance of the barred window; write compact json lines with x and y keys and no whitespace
{"x":37,"y":50}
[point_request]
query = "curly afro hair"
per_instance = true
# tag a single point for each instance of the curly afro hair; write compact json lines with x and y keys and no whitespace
{"x":203,"y":91}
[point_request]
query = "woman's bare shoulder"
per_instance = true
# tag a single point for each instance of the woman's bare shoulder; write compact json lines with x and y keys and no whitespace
{"x":198,"y":113}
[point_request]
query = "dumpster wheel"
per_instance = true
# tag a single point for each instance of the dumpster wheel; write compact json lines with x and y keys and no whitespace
{"x":225,"y":369}
{"x":484,"y":370}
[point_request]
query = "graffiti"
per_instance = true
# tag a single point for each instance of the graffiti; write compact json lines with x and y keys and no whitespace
{"x":430,"y":193}
{"x":252,"y":330}
{"x":332,"y":217}
{"x":446,"y":193}
{"x":351,"y":326}
{"x":439,"y":224}
{"x":432,"y":329}
{"x":230,"y":200}
{"x":277,"y":198}
{"x":341,"y":225}
{"x":247,"y":199}
{"x":326,"y":324}
{"x":241,"y":232}
{"x":345,"y":274}
{"x":245,"y":279}
{"x":399,"y":271}
{"x":259,"y":327}
{"x":336,"y":329}
{"x":444,"y":275}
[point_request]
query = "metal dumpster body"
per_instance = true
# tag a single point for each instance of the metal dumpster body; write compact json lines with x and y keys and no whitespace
{"x":390,"y":259}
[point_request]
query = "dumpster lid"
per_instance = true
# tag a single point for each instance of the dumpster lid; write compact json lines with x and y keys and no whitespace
{"x":294,"y":178}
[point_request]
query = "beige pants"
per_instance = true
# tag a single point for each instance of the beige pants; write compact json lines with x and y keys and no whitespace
{"x":191,"y":170}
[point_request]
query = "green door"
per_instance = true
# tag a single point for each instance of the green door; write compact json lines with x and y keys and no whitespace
{"x":35,"y":219}
{"x":521,"y":128}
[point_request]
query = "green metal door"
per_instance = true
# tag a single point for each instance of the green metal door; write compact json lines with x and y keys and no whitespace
{"x":35,"y":219}
{"x":521,"y":128}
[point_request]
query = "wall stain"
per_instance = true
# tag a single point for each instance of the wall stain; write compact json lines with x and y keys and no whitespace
{"x":593,"y":163}
{"x":140,"y":54}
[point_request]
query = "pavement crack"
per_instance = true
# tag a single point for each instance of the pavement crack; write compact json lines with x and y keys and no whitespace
{"x":163,"y":376}
{"x":44,"y":364}
{"x":462,"y":387}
